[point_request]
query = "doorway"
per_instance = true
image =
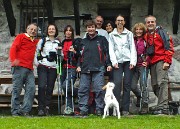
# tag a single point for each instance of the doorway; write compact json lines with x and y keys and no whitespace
{"x":109,"y":12}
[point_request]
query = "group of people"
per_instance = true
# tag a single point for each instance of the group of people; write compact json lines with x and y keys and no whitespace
{"x":114,"y":51}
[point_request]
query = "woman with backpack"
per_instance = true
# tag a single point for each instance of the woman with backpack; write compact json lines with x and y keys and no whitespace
{"x":45,"y":60}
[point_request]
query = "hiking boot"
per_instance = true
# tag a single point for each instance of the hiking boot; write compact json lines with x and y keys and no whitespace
{"x":98,"y":113}
{"x":161,"y":112}
{"x":41,"y":113}
{"x":68,"y":111}
{"x":47,"y":111}
{"x":125,"y":113}
{"x":144,"y":109}
{"x":25,"y":114}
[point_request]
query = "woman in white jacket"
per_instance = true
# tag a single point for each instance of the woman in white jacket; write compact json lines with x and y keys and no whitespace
{"x":123,"y":56}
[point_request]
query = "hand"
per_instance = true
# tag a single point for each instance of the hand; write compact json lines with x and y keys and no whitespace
{"x":116,"y":66}
{"x":78,"y":69}
{"x":15,"y":62}
{"x":71,"y":49}
{"x":60,"y":47}
{"x":144,"y":64}
{"x":166,"y":66}
{"x":109,"y":68}
{"x":131,"y":66}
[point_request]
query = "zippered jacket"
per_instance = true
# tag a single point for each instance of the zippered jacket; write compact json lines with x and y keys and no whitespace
{"x":163,"y":46}
{"x":122,"y":47}
{"x":94,"y":54}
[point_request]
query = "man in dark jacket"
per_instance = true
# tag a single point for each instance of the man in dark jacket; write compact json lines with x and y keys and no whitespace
{"x":94,"y":54}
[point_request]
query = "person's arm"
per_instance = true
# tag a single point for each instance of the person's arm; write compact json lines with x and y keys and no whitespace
{"x":106,"y":52}
{"x":169,"y":53}
{"x":13,"y":50}
{"x":133,"y":52}
{"x":37,"y":53}
{"x":111,"y":51}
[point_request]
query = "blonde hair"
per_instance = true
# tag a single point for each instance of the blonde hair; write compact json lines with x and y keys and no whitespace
{"x":141,"y":25}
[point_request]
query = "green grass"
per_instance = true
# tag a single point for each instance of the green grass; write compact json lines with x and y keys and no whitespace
{"x":91,"y":122}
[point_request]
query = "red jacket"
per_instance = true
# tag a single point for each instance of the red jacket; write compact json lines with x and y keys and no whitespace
{"x":23,"y":49}
{"x":161,"y":54}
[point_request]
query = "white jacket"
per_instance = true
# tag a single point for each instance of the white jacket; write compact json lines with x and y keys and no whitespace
{"x":122,"y":47}
{"x":50,"y":46}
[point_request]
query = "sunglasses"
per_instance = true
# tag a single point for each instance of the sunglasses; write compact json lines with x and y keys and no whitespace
{"x":148,"y":22}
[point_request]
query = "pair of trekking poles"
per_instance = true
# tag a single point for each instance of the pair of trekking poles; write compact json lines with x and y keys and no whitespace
{"x":60,"y":89}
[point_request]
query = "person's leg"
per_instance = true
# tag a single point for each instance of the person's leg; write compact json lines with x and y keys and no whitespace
{"x":143,"y":83}
{"x":29,"y":91}
{"x":51,"y":78}
{"x":71,"y":79}
{"x":17,"y":81}
{"x":154,"y":82}
{"x":134,"y":85}
{"x":42,"y":84}
{"x":83,"y":93}
{"x":126,"y":87}
{"x":98,"y":83}
{"x":162,"y":78}
{"x":117,"y":75}
{"x":144,"y":90}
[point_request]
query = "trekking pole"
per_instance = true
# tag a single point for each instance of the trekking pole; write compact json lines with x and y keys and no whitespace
{"x":72,"y":85}
{"x":66,"y":84}
{"x":59,"y":72}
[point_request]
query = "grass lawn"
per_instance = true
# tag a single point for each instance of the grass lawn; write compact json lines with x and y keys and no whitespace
{"x":91,"y":122}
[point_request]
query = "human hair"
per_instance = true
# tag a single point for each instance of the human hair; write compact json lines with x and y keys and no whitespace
{"x":149,"y":16}
{"x":108,"y":22}
{"x":141,"y":25}
{"x":52,"y":24}
{"x":120,"y":15}
{"x":90,"y":23}
{"x":100,"y":17}
{"x":35,"y":24}
{"x":71,"y":29}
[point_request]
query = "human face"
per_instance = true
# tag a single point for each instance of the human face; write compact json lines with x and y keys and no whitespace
{"x":68,"y":33}
{"x":51,"y":31}
{"x":99,"y":22}
{"x":31,"y":30}
{"x":109,"y":28}
{"x":120,"y":22}
{"x":151,"y":23}
{"x":139,"y":32}
{"x":91,"y":30}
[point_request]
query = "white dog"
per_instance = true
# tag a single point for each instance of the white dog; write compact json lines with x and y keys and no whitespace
{"x":110,"y":101}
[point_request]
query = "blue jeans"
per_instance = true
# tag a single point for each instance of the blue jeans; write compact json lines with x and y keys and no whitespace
{"x":97,"y":81}
{"x":22,"y":78}
{"x":140,"y":75}
{"x":66,"y":80}
{"x":118,"y":77}
{"x":46,"y":80}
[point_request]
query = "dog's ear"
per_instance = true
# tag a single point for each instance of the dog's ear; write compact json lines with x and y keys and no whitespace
{"x":104,"y":87}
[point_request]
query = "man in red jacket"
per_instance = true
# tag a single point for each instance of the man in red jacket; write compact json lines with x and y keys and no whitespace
{"x":21,"y":57}
{"x":160,"y":62}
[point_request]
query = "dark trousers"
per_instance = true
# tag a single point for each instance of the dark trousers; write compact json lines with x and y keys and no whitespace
{"x":46,"y":80}
{"x":118,"y":77}
{"x":97,"y":81}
